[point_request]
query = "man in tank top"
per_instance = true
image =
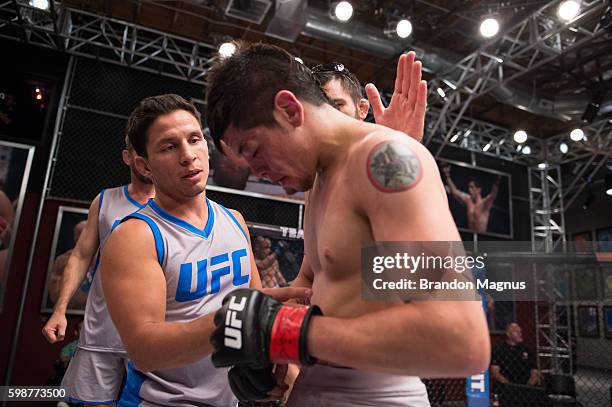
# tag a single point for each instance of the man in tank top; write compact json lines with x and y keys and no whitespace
{"x":96,"y":372}
{"x":166,"y":268}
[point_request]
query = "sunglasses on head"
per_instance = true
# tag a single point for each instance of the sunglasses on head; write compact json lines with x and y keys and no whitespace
{"x":333,"y":67}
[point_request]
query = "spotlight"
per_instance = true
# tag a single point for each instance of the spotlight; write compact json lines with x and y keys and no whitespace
{"x":489,"y":27}
{"x":526,"y":150}
{"x":520,"y":136}
{"x":568,"y":10}
{"x":563,"y":148}
{"x":542,"y":166}
{"x":403,"y":28}
{"x":577,"y":135}
{"x":487,"y":147}
{"x":342,"y":11}
{"x":608,"y":183}
{"x":227,"y":49}
{"x":299,"y":60}
{"x":40,"y":4}
{"x":441,"y":92}
{"x":454,"y":138}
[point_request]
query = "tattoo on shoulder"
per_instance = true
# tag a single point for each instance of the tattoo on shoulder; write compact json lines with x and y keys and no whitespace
{"x":393,"y":167}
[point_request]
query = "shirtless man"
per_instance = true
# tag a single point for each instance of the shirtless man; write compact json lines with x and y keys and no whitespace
{"x":478,"y":208}
{"x":274,"y":117}
{"x":54,"y":283}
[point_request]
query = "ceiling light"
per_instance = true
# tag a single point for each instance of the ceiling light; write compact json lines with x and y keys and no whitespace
{"x":467,"y":132}
{"x":577,"y":135}
{"x":526,"y":150}
{"x":489,"y":27}
{"x":542,"y":166}
{"x":343,"y":10}
{"x":40,"y":4}
{"x":520,"y":136}
{"x":299,"y":60}
{"x":568,"y":10}
{"x":227,"y":49}
{"x":450,"y":84}
{"x":403,"y":28}
{"x":608,"y":184}
{"x":563,"y":148}
{"x":441,"y":92}
{"x":454,"y":138}
{"x":487,"y":147}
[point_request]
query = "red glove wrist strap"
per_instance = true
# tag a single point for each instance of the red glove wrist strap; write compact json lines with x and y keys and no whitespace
{"x":285,"y":336}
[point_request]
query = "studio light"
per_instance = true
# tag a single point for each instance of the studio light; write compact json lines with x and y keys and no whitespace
{"x":441,"y":92}
{"x":454,"y":138}
{"x":40,"y":4}
{"x":542,"y":166}
{"x":342,"y":10}
{"x":487,"y":147}
{"x":568,"y":10}
{"x":489,"y":27}
{"x":403,"y":28}
{"x":577,"y":135}
{"x":227,"y":49}
{"x":563,"y":148}
{"x":520,"y":136}
{"x":526,"y":150}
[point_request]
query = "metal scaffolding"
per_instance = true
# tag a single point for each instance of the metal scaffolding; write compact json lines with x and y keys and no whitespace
{"x":552,"y":310}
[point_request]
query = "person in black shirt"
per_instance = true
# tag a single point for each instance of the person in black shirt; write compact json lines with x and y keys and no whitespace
{"x":513,"y":362}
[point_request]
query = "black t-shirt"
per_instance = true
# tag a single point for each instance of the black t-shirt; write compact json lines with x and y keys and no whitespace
{"x":515,"y":362}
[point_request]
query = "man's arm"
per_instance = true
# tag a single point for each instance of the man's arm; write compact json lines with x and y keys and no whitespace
{"x":496,"y":375}
{"x":74,"y":273}
{"x":406,"y":111}
{"x":462,"y":197}
{"x":534,"y":378}
{"x":135,"y":290}
{"x":410,"y":339}
{"x":493,"y":194}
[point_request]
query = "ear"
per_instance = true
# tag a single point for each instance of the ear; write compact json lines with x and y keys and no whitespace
{"x":127,"y":157}
{"x":142,"y":166}
{"x":288,"y":106}
{"x":363,"y":108}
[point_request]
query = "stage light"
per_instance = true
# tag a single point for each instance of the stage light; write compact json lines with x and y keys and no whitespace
{"x":403,"y":28}
{"x":608,"y":183}
{"x":227,"y":49}
{"x":487,"y":147}
{"x":454,"y":138}
{"x":299,"y":60}
{"x":577,"y":135}
{"x":489,"y":27}
{"x":542,"y":166}
{"x":563,"y":148}
{"x":40,"y":4}
{"x":568,"y":10}
{"x":441,"y":92}
{"x":343,"y":10}
{"x":526,"y":150}
{"x":520,"y":136}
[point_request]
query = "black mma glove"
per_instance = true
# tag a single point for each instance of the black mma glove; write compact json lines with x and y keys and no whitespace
{"x":249,"y":384}
{"x":255,"y":329}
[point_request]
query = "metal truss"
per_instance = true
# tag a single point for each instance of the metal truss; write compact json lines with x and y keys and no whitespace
{"x":553,"y":346}
{"x":530,"y":44}
{"x":106,"y":39}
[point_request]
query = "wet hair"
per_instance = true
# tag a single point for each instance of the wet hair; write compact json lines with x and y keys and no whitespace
{"x":348,"y":81}
{"x":241,"y":88}
{"x":147,"y":111}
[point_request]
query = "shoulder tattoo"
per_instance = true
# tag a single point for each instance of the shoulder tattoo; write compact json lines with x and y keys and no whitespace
{"x":393,"y":167}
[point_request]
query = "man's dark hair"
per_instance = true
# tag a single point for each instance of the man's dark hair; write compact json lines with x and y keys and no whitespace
{"x":147,"y":111}
{"x":348,"y":81}
{"x":241,"y":88}
{"x":475,"y":181}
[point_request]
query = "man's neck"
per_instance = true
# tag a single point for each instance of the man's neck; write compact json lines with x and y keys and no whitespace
{"x":140,"y":191}
{"x":193,"y":210}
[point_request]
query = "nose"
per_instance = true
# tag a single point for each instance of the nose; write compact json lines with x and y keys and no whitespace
{"x":188,"y":155}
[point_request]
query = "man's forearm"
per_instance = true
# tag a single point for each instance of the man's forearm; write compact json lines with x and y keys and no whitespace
{"x":167,"y":345}
{"x":444,"y":340}
{"x":73,"y":275}
{"x":499,"y":377}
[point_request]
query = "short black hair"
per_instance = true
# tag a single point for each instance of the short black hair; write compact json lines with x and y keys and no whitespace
{"x":348,"y":81}
{"x":145,"y":114}
{"x":241,"y":88}
{"x":475,"y":181}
